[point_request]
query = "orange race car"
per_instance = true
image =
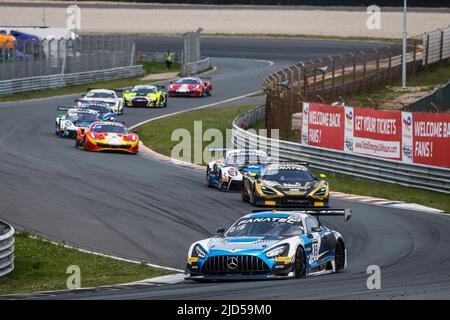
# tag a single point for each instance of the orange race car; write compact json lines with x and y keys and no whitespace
{"x":107,"y":136}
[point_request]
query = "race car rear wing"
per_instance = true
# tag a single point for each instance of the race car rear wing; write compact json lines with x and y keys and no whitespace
{"x":318,"y":212}
{"x":302,"y":163}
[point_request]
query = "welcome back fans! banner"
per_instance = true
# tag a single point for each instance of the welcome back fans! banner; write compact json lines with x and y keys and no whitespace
{"x":419,"y":138}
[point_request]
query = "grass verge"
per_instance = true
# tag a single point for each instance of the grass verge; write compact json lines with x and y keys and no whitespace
{"x":157,"y":136}
{"x":149,"y":67}
{"x":41,"y":266}
{"x":159,"y":67}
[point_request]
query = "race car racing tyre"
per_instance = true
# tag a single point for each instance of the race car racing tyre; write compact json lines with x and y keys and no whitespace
{"x":208,"y":180}
{"x":243,"y":197}
{"x":339,"y":257}
{"x":77,"y":143}
{"x":300,"y":263}
{"x":252,"y":197}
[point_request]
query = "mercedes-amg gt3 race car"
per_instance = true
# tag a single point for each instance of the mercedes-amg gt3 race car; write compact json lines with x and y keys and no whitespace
{"x":107,"y":136}
{"x":105,"y":96}
{"x":285,"y":185}
{"x":227,"y":173}
{"x":145,"y":96}
{"x":190,"y":87}
{"x":271,"y":244}
{"x":67,"y":124}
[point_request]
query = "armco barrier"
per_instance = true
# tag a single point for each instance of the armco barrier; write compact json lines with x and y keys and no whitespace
{"x":6,"y":249}
{"x":418,"y":176}
{"x":196,"y":67}
{"x":61,"y":80}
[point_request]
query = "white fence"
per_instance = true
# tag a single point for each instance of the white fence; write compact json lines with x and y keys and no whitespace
{"x":437,"y":45}
{"x":6,"y":249}
{"x":60,"y":80}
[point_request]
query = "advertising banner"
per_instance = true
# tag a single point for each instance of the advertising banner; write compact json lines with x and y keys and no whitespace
{"x":377,"y":133}
{"x":324,"y":126}
{"x":416,"y":138}
{"x":431,"y":139}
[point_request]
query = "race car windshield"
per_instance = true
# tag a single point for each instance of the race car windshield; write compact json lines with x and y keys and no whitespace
{"x":101,"y":95}
{"x":287,"y":175}
{"x":144,"y":91}
{"x":110,"y":128}
{"x":85,"y":117}
{"x":242,"y":159}
{"x":187,"y":81}
{"x":99,"y":108}
{"x":263,"y":227}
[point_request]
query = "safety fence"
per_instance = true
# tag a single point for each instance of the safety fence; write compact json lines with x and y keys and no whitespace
{"x":33,"y":58}
{"x":156,"y":56}
{"x":196,"y":67}
{"x":438,"y":101}
{"x":6,"y":249}
{"x":357,"y":165}
{"x":192,"y":62}
{"x":8,"y":87}
{"x":334,"y":79}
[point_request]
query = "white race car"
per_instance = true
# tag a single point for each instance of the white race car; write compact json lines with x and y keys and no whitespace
{"x":227,"y":173}
{"x":67,"y":124}
{"x":106,"y":96}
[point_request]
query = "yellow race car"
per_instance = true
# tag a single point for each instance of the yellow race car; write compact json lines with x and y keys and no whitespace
{"x":145,"y":96}
{"x":286,"y":185}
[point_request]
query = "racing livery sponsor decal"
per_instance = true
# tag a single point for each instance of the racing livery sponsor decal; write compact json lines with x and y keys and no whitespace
{"x":431,"y":139}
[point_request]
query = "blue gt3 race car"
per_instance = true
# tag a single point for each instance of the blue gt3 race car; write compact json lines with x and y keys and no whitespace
{"x":270,"y":244}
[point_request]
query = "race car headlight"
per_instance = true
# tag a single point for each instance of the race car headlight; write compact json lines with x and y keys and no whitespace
{"x":267,"y":190}
{"x":232,"y":172}
{"x":198,"y":252}
{"x":321,"y":192}
{"x":277,"y":251}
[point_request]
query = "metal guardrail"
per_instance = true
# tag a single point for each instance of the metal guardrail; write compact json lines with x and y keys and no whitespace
{"x":196,"y":67}
{"x":61,"y":80}
{"x":366,"y":167}
{"x":6,"y":249}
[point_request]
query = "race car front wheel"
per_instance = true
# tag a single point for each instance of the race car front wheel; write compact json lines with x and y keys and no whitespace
{"x":339,"y":258}
{"x":300,"y":263}
{"x":208,"y":178}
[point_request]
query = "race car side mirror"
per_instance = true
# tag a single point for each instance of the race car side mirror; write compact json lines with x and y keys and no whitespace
{"x":135,"y":131}
{"x":220,"y":230}
{"x":316,"y":229}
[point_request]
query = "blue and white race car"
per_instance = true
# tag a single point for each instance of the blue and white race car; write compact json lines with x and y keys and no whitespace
{"x":67,"y":124}
{"x":227,"y":173}
{"x":270,"y":244}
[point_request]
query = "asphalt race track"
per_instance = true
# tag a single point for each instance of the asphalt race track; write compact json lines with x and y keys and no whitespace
{"x":144,"y":209}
